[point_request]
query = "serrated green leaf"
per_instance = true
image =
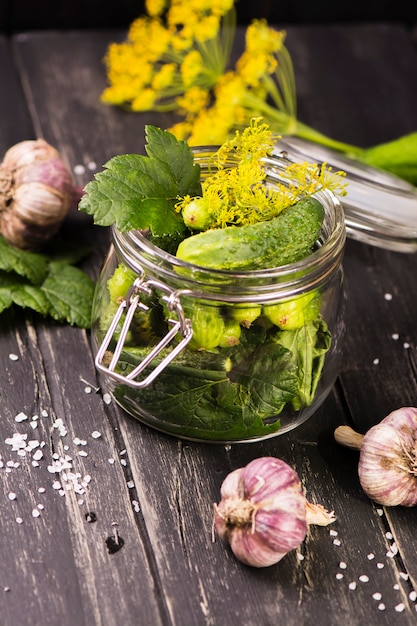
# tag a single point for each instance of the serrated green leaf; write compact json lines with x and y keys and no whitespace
{"x":70,"y":293}
{"x":31,"y":265}
{"x":140,"y":192}
{"x":161,"y":146}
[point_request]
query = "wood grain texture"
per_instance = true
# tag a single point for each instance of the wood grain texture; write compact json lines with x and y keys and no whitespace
{"x":158,"y":494}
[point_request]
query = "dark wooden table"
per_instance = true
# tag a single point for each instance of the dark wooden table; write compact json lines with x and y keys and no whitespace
{"x":357,"y":83}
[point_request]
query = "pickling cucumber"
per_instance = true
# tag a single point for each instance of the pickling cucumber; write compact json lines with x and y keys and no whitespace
{"x":286,"y":238}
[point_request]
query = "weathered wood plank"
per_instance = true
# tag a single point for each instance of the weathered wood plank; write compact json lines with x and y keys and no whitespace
{"x":168,"y":570}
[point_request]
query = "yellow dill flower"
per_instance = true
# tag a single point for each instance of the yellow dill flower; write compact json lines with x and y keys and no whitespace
{"x":181,"y":130}
{"x":144,"y":101}
{"x":164,"y":77}
{"x":207,"y":28}
{"x":260,"y":38}
{"x":149,"y":38}
{"x":155,"y":7}
{"x":191,"y":67}
{"x":193,"y":100}
{"x":252,"y":68}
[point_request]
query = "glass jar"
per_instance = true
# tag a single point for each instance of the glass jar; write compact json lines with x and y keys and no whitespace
{"x":214,"y":355}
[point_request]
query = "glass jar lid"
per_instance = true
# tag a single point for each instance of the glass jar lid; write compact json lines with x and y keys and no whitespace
{"x":380,"y":208}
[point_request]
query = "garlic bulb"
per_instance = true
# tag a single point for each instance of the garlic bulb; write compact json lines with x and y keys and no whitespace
{"x":388,"y":457}
{"x":36,"y":191}
{"x":263,"y":513}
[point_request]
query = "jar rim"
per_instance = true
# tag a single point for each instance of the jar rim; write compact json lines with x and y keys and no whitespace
{"x":307,"y":273}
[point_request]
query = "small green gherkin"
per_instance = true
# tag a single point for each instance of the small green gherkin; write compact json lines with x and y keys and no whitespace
{"x":294,"y":313}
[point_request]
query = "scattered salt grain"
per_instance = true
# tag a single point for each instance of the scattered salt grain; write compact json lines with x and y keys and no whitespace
{"x":333,"y":533}
{"x":342,"y":565}
{"x":35,"y":513}
{"x":44,"y":413}
{"x":92,"y":165}
{"x":352,"y":586}
{"x":400,"y":607}
{"x":123,"y":462}
{"x":111,"y":461}
{"x":19,"y":520}
{"x":130,"y":484}
{"x":107,"y":398}
{"x":96,"y":434}
{"x":380,"y":512}
{"x":406,"y":345}
{"x":87,"y":390}
{"x":122,"y":452}
{"x":13,"y":357}
{"x":336,"y":542}
{"x":375,"y":361}
{"x":6,"y":589}
{"x":381,"y":606}
{"x":33,"y":424}
{"x":388,"y":296}
{"x":403,"y":575}
{"x":388,"y":535}
{"x":79,"y":169}
{"x":380,"y":565}
{"x":377,"y":596}
{"x":396,"y":587}
{"x":12,"y":496}
{"x":370,"y":556}
{"x":56,"y":485}
{"x":136,"y":508}
{"x":339,"y":576}
{"x":83,"y":453}
{"x":395,"y":336}
{"x":364,"y":578}
{"x":135,"y":504}
{"x":41,"y":507}
{"x":412,"y":596}
{"x":37,"y":455}
{"x":20,"y":417}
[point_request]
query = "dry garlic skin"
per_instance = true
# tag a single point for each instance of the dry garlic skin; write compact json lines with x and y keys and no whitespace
{"x":262,"y":512}
{"x":388,"y":459}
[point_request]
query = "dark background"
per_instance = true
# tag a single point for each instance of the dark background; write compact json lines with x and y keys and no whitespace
{"x":25,"y":15}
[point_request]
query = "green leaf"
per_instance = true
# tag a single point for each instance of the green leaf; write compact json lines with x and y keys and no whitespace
{"x":162,"y":146}
{"x":31,"y":265}
{"x":70,"y":293}
{"x":16,"y":290}
{"x":308,"y":346}
{"x":398,"y":157}
{"x":140,"y":192}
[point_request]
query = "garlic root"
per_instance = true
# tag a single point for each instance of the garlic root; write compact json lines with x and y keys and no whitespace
{"x":346,"y":436}
{"x":36,"y":192}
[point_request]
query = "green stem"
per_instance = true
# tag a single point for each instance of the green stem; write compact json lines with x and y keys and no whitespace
{"x":306,"y":132}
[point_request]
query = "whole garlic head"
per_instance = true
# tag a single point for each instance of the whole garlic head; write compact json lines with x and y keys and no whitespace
{"x":36,"y":191}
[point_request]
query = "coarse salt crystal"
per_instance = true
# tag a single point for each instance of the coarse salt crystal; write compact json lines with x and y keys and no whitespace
{"x":395,"y":336}
{"x":396,"y":587}
{"x":413,"y":596}
{"x":400,"y":607}
{"x":12,"y":496}
{"x":337,"y":542}
{"x":375,"y":361}
{"x":96,"y":434}
{"x":107,"y":398}
{"x":333,"y":533}
{"x":44,"y":413}
{"x":364,"y":578}
{"x":40,"y":506}
{"x":20,"y":417}
{"x":339,"y":576}
{"x":92,"y":165}
{"x":403,"y":575}
{"x":79,"y":169}
{"x":380,"y":565}
{"x":352,"y":585}
{"x":377,"y":596}
{"x":37,"y":455}
{"x":87,"y":390}
{"x":342,"y":565}
{"x":406,"y":345}
{"x":388,"y":296}
{"x":135,"y":504}
{"x":35,"y":513}
{"x":380,"y":512}
{"x":130,"y":484}
{"x":123,"y":462}
{"x":388,"y":535}
{"x":381,"y":606}
{"x":83,"y":453}
{"x":41,"y":490}
{"x":111,"y":461}
{"x":13,"y":357}
{"x":56,"y":485}
{"x":33,"y":424}
{"x":370,"y":556}
{"x":19,"y":520}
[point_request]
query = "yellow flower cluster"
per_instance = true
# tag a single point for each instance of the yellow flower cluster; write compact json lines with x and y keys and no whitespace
{"x":177,"y":46}
{"x":177,"y":58}
{"x":234,"y":192}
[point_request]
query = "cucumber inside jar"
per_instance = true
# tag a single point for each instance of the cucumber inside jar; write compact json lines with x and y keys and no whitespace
{"x":238,"y":373}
